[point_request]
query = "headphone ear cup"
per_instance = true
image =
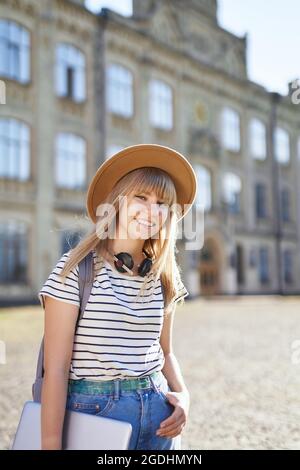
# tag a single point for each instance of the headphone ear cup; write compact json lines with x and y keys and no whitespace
{"x":145,"y":267}
{"x":124,"y":258}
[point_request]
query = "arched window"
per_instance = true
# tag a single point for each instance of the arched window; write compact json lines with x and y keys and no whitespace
{"x":70,"y":167}
{"x":232,"y":187}
{"x":230,"y":129}
{"x":257,"y":139}
{"x":282,"y":145}
{"x":70,"y":71}
{"x":160,"y":104}
{"x":14,"y":149}
{"x":204,"y":193}
{"x":14,"y":51}
{"x":119,"y":87}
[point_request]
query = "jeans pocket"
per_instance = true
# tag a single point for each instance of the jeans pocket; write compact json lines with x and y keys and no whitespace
{"x":163,"y":390}
{"x":98,"y":405}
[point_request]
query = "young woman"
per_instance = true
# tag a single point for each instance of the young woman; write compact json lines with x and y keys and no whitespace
{"x":120,"y":362}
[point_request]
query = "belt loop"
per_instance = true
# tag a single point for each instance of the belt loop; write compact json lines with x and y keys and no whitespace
{"x":153,"y":384}
{"x":116,"y":389}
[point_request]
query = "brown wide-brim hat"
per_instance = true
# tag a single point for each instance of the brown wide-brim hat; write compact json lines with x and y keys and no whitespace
{"x":143,"y":155}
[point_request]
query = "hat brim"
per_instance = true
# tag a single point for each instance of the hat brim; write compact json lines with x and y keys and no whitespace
{"x":143,"y":155}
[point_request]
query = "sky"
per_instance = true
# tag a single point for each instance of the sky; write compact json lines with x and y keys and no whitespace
{"x":273,"y":35}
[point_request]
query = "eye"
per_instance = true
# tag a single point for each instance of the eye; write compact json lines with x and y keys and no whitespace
{"x":164,"y":203}
{"x":158,"y":202}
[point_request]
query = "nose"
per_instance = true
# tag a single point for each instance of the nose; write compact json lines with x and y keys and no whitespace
{"x":153,"y":209}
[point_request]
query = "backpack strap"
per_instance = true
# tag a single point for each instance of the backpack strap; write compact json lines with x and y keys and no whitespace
{"x":163,"y":291}
{"x":85,"y":282}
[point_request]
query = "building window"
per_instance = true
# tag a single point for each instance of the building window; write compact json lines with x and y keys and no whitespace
{"x":230,"y":129}
{"x":160,"y":105}
{"x":232,"y":186}
{"x":14,"y":150}
{"x":287,"y":267}
{"x":264,"y":275}
{"x":203,"y":198}
{"x":70,"y":73}
{"x":285,"y":205}
{"x":119,"y":90}
{"x":282,"y":145}
{"x":260,"y":200}
{"x":257,"y":139}
{"x":252,"y":257}
{"x":13,"y":253}
{"x":14,"y":51}
{"x":70,"y":168}
{"x":69,"y":240}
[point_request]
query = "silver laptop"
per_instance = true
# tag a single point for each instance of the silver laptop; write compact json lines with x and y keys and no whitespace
{"x":81,"y":431}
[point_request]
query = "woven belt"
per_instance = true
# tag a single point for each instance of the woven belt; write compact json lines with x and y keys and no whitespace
{"x":108,"y":386}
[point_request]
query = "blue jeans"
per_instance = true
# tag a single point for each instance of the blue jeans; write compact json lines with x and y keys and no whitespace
{"x":145,"y":407}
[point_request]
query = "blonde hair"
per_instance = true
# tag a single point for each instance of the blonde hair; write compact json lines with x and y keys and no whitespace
{"x":162,"y":249}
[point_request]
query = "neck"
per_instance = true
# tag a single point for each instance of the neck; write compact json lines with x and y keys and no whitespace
{"x":123,"y":243}
{"x":128,"y":245}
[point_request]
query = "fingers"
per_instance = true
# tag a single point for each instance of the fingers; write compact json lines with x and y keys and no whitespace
{"x":173,"y":425}
{"x":172,"y":431}
{"x":177,"y":415}
{"x":170,"y":420}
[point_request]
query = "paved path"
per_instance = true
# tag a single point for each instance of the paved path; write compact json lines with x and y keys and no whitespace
{"x":235,"y":354}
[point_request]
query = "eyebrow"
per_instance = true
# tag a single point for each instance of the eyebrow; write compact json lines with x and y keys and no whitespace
{"x":149,"y":194}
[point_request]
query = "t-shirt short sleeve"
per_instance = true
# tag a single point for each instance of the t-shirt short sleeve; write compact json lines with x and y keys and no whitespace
{"x":54,"y":287}
{"x":182,"y":291}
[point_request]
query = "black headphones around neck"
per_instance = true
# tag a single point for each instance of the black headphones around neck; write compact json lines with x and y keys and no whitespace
{"x":124,"y":263}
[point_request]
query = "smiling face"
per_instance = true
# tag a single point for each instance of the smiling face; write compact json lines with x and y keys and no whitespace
{"x":144,"y":217}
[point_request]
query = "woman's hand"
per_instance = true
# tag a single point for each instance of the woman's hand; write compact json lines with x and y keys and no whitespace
{"x":174,"y":424}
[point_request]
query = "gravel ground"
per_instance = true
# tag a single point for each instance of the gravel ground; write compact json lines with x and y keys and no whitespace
{"x":235,"y":355}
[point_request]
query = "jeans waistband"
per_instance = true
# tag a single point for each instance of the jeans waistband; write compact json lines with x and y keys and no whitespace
{"x":108,"y":386}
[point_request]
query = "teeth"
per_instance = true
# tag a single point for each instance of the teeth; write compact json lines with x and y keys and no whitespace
{"x":145,"y":222}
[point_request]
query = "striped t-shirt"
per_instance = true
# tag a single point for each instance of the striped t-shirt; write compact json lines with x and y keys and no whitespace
{"x":116,"y":337}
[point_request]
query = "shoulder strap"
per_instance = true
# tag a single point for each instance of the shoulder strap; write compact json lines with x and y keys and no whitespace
{"x":85,"y":282}
{"x":163,"y":291}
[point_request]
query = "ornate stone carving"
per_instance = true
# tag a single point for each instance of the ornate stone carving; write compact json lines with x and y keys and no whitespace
{"x":165,"y":28}
{"x":204,"y":142}
{"x":24,"y":6}
{"x":63,"y":24}
{"x":17,"y":93}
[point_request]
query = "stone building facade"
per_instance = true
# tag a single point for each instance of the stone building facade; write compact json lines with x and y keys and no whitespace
{"x":80,"y":86}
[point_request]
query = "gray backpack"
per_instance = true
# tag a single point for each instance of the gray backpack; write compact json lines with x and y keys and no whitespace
{"x":85,"y":281}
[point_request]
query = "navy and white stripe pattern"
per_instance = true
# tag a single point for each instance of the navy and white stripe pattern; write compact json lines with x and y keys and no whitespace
{"x":116,"y":337}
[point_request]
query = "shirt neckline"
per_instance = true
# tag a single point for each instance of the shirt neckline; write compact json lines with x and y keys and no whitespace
{"x":124,"y":276}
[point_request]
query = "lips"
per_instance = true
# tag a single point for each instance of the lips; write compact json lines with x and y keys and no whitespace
{"x":145,"y":223}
